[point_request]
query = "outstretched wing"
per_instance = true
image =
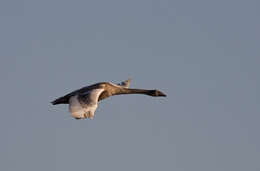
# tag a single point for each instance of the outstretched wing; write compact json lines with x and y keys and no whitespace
{"x":84,"y":105}
{"x":65,"y":99}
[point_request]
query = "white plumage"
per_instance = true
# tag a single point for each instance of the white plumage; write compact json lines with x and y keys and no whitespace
{"x":84,"y":105}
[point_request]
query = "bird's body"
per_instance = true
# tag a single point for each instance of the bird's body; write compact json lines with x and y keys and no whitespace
{"x":83,"y":102}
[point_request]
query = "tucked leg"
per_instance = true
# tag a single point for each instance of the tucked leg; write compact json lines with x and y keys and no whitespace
{"x":89,"y":115}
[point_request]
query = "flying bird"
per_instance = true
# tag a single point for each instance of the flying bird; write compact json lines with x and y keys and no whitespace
{"x":84,"y":102}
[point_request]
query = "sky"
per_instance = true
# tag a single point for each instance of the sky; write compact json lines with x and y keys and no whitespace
{"x":203,"y":54}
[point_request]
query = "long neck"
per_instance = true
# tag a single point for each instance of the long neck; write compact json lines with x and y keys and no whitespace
{"x":134,"y":91}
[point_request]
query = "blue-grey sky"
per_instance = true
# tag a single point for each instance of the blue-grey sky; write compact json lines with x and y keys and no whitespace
{"x":203,"y":54}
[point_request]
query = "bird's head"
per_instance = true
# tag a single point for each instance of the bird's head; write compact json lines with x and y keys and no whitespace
{"x":156,"y":93}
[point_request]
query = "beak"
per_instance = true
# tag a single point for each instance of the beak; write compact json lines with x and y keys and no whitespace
{"x":162,"y":94}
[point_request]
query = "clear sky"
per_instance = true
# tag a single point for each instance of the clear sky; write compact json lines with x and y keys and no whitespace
{"x":203,"y":54}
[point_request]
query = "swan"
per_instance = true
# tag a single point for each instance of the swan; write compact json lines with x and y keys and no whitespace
{"x":84,"y":102}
